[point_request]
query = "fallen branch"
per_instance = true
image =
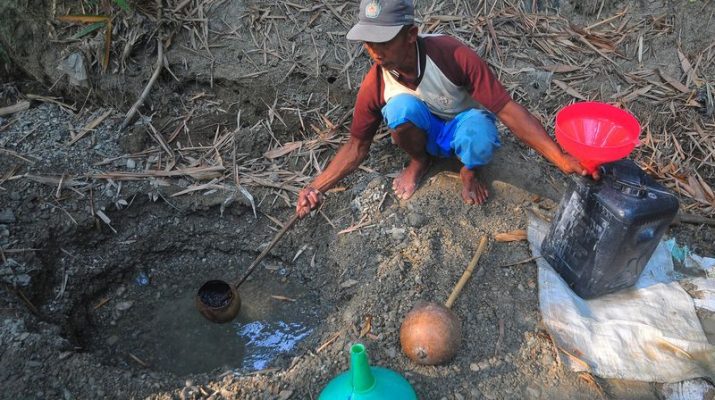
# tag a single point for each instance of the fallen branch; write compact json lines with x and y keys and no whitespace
{"x":513,"y":236}
{"x":693,"y":219}
{"x":18,"y":292}
{"x":147,"y":89}
{"x":194,"y":172}
{"x":63,"y":182}
{"x":20,"y":106}
{"x":520,"y":262}
{"x":329,"y":342}
{"x":52,"y":100}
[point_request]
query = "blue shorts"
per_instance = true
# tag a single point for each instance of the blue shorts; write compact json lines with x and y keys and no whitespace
{"x":471,"y":136}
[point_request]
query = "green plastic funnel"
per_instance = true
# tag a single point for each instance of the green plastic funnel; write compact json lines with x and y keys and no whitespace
{"x":364,"y":382}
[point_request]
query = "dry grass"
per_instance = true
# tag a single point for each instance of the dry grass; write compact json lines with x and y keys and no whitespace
{"x":608,"y":59}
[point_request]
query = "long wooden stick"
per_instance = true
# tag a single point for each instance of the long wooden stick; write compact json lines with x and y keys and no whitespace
{"x":140,"y":100}
{"x":265,"y":251}
{"x":467,"y":273}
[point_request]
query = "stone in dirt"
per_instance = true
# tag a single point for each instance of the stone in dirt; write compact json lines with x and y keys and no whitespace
{"x":125,"y":305}
{"x":7,"y":216}
{"x":112,"y":340}
{"x":415,"y":220}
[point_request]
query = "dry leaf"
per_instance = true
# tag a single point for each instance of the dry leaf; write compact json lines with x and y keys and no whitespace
{"x":349,"y":283}
{"x":697,"y":190}
{"x":568,"y":89}
{"x":103,"y":217}
{"x":282,"y":298}
{"x":83,"y":19}
{"x":684,"y":63}
{"x":573,"y":358}
{"x":561,"y":68}
{"x":673,"y":82}
{"x":283,"y":150}
{"x":367,"y":326}
{"x":637,"y":93}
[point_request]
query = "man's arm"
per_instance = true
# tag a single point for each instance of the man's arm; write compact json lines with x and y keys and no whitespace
{"x":530,"y":131}
{"x":346,"y":160}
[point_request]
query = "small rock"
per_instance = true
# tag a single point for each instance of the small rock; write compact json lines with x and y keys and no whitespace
{"x":520,"y":287}
{"x":121,"y":290}
{"x":131,"y":164}
{"x":415,"y":220}
{"x":349,"y":283}
{"x":112,"y":340}
{"x":458,"y":396}
{"x":285,"y":394}
{"x":533,"y":392}
{"x":125,"y":305}
{"x":7,"y":216}
{"x":548,"y":359}
{"x":391,"y":352}
{"x":474,"y":367}
{"x":396,"y":233}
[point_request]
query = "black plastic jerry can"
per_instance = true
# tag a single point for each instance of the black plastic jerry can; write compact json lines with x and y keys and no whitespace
{"x":605,"y":231}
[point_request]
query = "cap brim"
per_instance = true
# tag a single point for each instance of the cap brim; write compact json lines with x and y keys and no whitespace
{"x":373,"y":33}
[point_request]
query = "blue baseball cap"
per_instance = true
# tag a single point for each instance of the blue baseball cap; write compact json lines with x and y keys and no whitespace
{"x":381,"y":20}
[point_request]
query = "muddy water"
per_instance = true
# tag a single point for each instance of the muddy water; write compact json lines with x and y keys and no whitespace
{"x":174,"y":337}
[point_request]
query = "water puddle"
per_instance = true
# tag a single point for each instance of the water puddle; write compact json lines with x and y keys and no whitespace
{"x":172,"y":336}
{"x":264,"y":340}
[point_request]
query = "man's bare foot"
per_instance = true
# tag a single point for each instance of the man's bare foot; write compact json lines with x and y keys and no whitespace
{"x":473,"y":190}
{"x":406,"y":182}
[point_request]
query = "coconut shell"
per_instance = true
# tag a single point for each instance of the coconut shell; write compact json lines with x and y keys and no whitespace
{"x":430,"y":334}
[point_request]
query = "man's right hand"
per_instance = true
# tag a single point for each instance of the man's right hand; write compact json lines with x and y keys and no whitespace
{"x":308,"y":199}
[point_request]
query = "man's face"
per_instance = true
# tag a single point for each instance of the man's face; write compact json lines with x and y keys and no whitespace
{"x":392,"y":54}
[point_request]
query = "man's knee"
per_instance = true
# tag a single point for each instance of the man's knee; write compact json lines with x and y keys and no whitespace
{"x":405,"y":108}
{"x":403,"y":133}
{"x":476,"y":139}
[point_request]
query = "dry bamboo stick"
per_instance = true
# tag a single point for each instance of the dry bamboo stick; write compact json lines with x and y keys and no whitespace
{"x":147,"y":89}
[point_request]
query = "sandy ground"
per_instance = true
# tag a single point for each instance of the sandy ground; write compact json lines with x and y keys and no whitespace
{"x":78,"y":245}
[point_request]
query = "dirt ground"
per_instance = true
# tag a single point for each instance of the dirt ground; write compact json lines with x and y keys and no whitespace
{"x":103,"y":249}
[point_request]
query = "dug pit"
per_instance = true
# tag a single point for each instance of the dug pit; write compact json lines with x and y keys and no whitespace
{"x":141,"y":312}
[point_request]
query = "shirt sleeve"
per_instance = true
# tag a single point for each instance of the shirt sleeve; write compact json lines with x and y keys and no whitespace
{"x":367,"y":114}
{"x":465,"y":68}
